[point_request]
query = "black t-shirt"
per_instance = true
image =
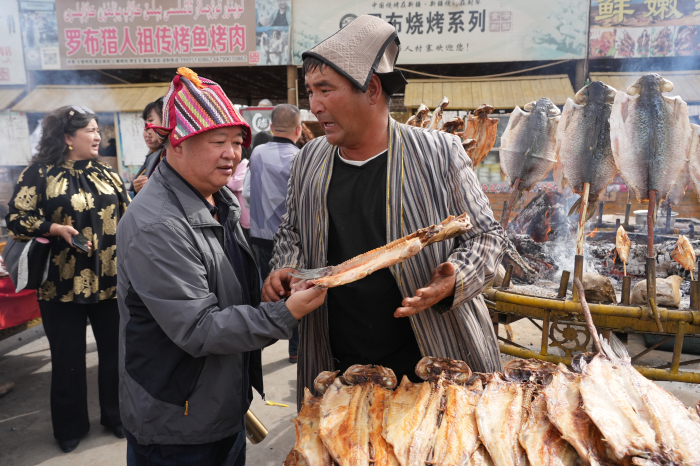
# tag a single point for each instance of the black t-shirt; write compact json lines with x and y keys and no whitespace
{"x":362,"y":326}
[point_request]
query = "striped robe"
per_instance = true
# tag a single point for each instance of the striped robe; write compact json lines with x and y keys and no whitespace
{"x":429,"y":176}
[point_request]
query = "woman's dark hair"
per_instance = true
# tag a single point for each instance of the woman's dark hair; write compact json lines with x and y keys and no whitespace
{"x":263,"y":137}
{"x":306,"y":136}
{"x":53,"y":149}
{"x":157,"y":105}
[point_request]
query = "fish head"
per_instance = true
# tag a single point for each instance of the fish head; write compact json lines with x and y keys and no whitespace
{"x":649,"y":84}
{"x":529,"y":107}
{"x":324,"y":380}
{"x":450,"y":228}
{"x":545,"y":106}
{"x":422,"y":111}
{"x":529,"y":370}
{"x":359,"y":374}
{"x":469,"y":145}
{"x":597,"y":91}
{"x":484,"y":110}
{"x":431,"y":368}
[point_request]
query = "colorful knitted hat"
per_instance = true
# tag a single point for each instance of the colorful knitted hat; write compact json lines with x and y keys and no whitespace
{"x":194,"y":105}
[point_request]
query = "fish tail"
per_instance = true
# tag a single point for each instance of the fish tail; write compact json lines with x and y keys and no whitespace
{"x":592,"y":207}
{"x":576,"y":207}
{"x":311,"y":274}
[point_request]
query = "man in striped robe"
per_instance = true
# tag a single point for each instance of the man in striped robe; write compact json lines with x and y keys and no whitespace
{"x":368,"y":182}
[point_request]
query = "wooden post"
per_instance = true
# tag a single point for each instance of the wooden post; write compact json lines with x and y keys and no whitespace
{"x":628,"y":209}
{"x":626,"y":290}
{"x":563,"y":284}
{"x":545,"y":334}
{"x":580,"y":232}
{"x":509,"y":206}
{"x":651,"y":260}
{"x":507,"y":276}
{"x":578,"y":273}
{"x":678,"y":348}
{"x":292,"y":94}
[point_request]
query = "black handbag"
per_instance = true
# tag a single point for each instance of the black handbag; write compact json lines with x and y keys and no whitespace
{"x":27,"y":262}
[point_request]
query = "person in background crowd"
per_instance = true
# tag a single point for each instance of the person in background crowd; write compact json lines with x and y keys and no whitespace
{"x":236,"y":187}
{"x":264,"y":103}
{"x":189,"y":293}
{"x":306,"y":136}
{"x":369,"y":181}
{"x":66,"y":192}
{"x":263,"y":137}
{"x":152,"y":114}
{"x":269,"y":174}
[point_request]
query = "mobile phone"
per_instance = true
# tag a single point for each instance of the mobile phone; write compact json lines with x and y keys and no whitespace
{"x":81,"y":242}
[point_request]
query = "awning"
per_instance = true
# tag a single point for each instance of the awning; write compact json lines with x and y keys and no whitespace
{"x":9,"y":95}
{"x":685,"y":83}
{"x":100,"y":99}
{"x":502,"y":93}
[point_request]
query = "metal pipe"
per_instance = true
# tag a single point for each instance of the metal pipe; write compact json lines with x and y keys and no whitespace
{"x":678,"y":348}
{"x":695,"y":294}
{"x":628,"y":209}
{"x":563,"y":284}
{"x":570,"y":307}
{"x":648,"y":372}
{"x":651,"y":348}
{"x":578,"y":273}
{"x":509,"y":207}
{"x":601,"y":206}
{"x":626,"y":290}
{"x":254,"y":429}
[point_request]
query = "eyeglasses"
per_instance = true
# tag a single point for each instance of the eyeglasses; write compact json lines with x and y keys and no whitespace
{"x":81,"y":110}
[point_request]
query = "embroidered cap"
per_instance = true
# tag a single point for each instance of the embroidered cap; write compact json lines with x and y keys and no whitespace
{"x":194,"y":105}
{"x":366,"y":45}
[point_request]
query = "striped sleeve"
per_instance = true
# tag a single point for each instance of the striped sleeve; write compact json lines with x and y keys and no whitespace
{"x":481,"y":249}
{"x":287,"y":252}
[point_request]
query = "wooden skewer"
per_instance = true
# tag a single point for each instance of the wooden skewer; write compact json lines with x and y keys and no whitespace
{"x":582,"y":219}
{"x":691,"y":275}
{"x":624,"y":266}
{"x":509,"y":207}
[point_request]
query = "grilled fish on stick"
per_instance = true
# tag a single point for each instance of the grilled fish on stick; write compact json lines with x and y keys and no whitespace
{"x":453,"y":125}
{"x":622,"y":245}
{"x":684,"y":254}
{"x":420,"y":117}
{"x":393,"y":253}
{"x":483,"y":129}
{"x":437,"y":114}
{"x":583,"y":143}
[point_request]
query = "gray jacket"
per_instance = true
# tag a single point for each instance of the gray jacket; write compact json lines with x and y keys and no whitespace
{"x":184,"y":334}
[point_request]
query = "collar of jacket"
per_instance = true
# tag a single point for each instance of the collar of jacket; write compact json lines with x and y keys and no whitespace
{"x":196,"y":211}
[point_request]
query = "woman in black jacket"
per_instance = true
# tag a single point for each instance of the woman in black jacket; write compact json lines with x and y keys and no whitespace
{"x":66,"y":192}
{"x":152,"y":114}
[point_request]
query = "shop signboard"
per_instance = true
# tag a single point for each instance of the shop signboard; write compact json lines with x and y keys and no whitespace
{"x":172,"y":33}
{"x":39,"y":35}
{"x":644,"y":28}
{"x":456,"y":31}
{"x":11,"y":56}
{"x":14,"y":139}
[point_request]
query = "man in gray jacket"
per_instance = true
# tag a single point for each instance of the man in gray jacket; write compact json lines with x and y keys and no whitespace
{"x":188,"y":289}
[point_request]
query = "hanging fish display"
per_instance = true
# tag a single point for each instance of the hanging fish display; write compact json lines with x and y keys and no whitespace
{"x":583,"y":143}
{"x":528,"y":144}
{"x":483,"y":130}
{"x":650,"y":136}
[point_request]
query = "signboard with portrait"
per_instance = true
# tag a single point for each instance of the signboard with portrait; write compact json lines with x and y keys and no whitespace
{"x":11,"y":56}
{"x":171,"y":33}
{"x":644,"y":28}
{"x":456,"y":31}
{"x":40,"y":35}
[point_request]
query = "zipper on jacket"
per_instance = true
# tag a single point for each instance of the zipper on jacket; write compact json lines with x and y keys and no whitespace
{"x":187,"y":406}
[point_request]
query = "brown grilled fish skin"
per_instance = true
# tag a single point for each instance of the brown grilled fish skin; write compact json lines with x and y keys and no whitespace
{"x":437,"y":114}
{"x":344,"y":424}
{"x":622,"y":244}
{"x":309,"y":444}
{"x":452,"y":126}
{"x":542,"y":441}
{"x":483,"y":129}
{"x":381,"y":452}
{"x":457,"y":437}
{"x":405,"y":409}
{"x":583,"y":142}
{"x":528,"y":144}
{"x":420,"y":116}
{"x":650,"y":135}
{"x":431,"y":369}
{"x":684,"y":253}
{"x":499,"y":417}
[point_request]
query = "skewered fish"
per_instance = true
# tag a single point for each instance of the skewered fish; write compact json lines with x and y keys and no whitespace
{"x":564,"y":408}
{"x":386,"y":256}
{"x":470,"y":147}
{"x":436,"y":117}
{"x":694,"y":158}
{"x":453,"y":125}
{"x":684,"y":254}
{"x":541,"y":439}
{"x":309,"y":444}
{"x":623,"y":245}
{"x":420,"y":117}
{"x":348,"y":424}
{"x":528,"y":144}
{"x":650,"y":136}
{"x":583,"y":143}
{"x":483,"y":129}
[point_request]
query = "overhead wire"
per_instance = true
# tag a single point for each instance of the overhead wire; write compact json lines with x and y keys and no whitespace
{"x":477,"y":78}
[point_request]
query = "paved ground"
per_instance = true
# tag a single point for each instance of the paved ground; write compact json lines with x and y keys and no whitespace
{"x":25,"y":421}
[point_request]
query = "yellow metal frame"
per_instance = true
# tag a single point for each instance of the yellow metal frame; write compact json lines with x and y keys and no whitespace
{"x":627,"y":319}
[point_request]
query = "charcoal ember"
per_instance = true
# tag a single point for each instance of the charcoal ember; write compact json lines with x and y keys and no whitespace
{"x":522,"y":270}
{"x":535,"y":254}
{"x":544,"y":218}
